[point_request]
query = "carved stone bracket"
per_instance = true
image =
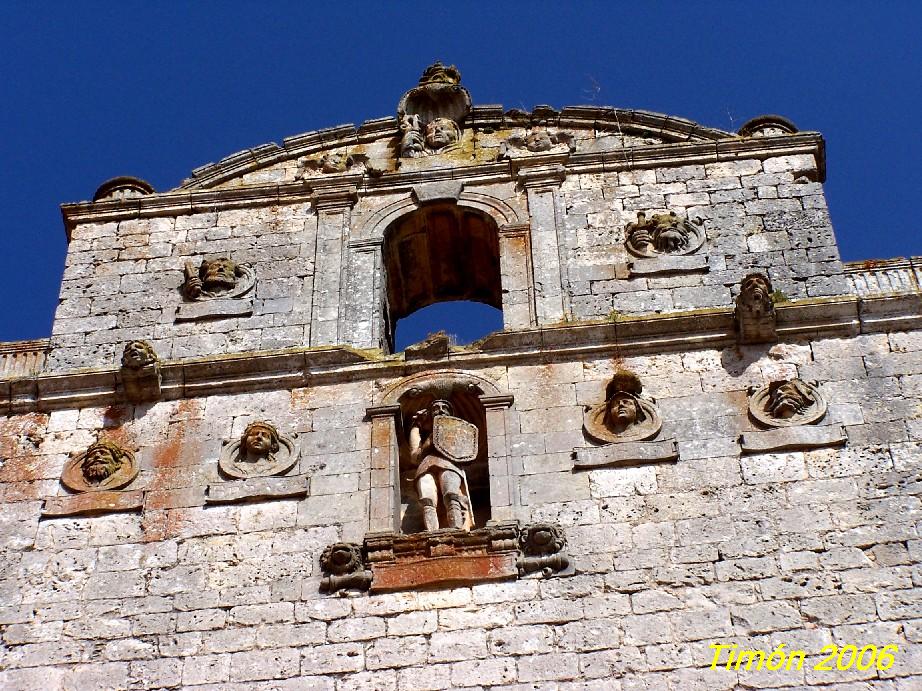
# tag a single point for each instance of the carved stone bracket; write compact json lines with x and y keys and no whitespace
{"x":389,"y":561}
{"x":792,"y":438}
{"x":140,"y":372}
{"x":550,"y":174}
{"x":755,"y":311}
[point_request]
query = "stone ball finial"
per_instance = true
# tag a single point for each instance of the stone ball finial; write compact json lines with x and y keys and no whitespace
{"x":123,"y":187}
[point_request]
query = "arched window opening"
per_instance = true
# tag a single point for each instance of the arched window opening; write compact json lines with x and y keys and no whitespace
{"x":464,"y":321}
{"x":440,"y":253}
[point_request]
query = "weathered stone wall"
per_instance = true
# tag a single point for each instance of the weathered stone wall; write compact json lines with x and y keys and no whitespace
{"x":318,"y":263}
{"x":803,"y":548}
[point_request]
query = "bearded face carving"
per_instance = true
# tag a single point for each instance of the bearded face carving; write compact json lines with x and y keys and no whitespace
{"x":217,"y":278}
{"x":103,"y":466}
{"x":786,"y":403}
{"x":662,"y":234}
{"x":260,"y":451}
{"x":755,"y":310}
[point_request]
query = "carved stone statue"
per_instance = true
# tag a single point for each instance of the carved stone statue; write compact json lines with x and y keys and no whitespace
{"x":430,"y":114}
{"x":755,"y":311}
{"x":440,"y":444}
{"x":344,"y":567}
{"x":217,"y":278}
{"x":662,"y":234}
{"x":261,"y":451}
{"x":786,"y":403}
{"x":140,"y":373}
{"x":103,"y":466}
{"x":624,"y":416}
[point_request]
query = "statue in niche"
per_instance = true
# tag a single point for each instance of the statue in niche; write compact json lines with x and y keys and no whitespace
{"x":260,"y":451}
{"x":624,"y":416}
{"x":440,"y":444}
{"x":217,"y":278}
{"x":430,"y":114}
{"x":662,"y":234}
{"x":787,"y":403}
{"x":105,"y":465}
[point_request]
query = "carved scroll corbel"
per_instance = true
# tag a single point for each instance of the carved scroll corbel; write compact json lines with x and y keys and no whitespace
{"x":542,"y":547}
{"x":343,"y":567}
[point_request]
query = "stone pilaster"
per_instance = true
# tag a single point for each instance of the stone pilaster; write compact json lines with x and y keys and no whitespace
{"x":363,"y":325}
{"x":334,"y":206}
{"x":542,"y":185}
{"x":384,"y":510}
{"x":515,"y":273}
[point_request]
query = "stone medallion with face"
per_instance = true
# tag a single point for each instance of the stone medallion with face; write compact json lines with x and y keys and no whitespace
{"x":105,"y":465}
{"x":662,"y":234}
{"x":261,"y":451}
{"x":624,"y":416}
{"x":217,"y":278}
{"x":441,"y":133}
{"x":787,"y":403}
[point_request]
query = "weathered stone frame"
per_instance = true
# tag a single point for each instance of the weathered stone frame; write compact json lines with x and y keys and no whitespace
{"x":384,"y":514}
{"x":365,"y":293}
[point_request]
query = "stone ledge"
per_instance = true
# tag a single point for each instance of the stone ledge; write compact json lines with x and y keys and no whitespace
{"x":214,"y":309}
{"x":626,"y":453}
{"x":253,"y":488}
{"x":91,"y":503}
{"x":792,"y":438}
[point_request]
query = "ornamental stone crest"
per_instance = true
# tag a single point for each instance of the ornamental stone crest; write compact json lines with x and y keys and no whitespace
{"x":787,"y":403}
{"x":330,"y":163}
{"x":261,"y":451}
{"x":430,"y":114}
{"x":624,"y":416}
{"x":217,"y":278}
{"x":105,"y":465}
{"x":343,"y":567}
{"x":662,"y":234}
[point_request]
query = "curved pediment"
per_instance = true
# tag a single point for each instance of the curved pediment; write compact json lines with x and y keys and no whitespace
{"x":487,"y":135}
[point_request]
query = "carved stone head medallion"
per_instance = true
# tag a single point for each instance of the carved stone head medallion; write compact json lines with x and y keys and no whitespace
{"x":103,"y":466}
{"x":138,"y":354}
{"x":787,"y":403}
{"x":662,"y":234}
{"x":260,"y":451}
{"x":217,"y":278}
{"x":624,"y":416}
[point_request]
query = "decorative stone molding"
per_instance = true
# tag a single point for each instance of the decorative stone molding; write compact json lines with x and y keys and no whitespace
{"x":122,"y":187}
{"x":792,"y":438}
{"x":755,"y":312}
{"x":343,"y":565}
{"x":105,"y":465}
{"x":329,"y":163}
{"x":260,"y":452}
{"x":445,"y":558}
{"x":93,"y":503}
{"x":140,"y":372}
{"x":429,"y":115}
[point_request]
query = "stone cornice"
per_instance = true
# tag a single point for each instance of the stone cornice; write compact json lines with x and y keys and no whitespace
{"x":843,"y":316}
{"x":188,"y":201}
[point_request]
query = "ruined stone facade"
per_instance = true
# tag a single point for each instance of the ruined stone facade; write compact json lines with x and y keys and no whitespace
{"x":697,"y":426}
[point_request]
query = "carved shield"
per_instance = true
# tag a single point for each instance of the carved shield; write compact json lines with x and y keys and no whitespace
{"x":454,"y":438}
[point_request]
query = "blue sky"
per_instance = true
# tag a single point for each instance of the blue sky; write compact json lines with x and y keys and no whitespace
{"x":92,"y":90}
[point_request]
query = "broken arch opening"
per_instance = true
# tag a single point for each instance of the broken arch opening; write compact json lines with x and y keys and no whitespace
{"x":441,"y":253}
